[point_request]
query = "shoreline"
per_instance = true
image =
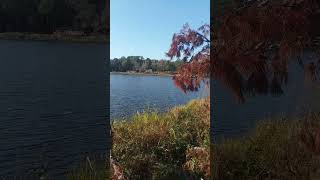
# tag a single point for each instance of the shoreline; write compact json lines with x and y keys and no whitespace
{"x":142,"y":74}
{"x":53,"y":37}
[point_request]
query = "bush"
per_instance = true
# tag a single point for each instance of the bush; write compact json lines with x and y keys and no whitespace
{"x":153,"y":145}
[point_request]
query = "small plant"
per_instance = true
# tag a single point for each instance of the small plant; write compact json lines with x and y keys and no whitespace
{"x":198,"y":162}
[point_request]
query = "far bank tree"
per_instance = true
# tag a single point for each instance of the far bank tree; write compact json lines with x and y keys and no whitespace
{"x":48,"y":16}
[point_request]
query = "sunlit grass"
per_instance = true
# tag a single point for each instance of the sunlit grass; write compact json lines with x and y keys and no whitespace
{"x":152,"y":145}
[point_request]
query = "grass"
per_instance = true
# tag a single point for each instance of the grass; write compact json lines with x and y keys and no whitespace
{"x":153,"y":145}
{"x":175,"y":145}
{"x":275,"y":150}
{"x":89,"y":170}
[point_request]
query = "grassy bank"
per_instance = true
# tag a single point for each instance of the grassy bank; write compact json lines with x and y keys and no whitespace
{"x":155,"y":145}
{"x":175,"y":145}
{"x":277,"y":149}
{"x":160,"y":146}
{"x":54,"y":37}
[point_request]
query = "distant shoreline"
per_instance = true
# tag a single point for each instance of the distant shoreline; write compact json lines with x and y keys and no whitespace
{"x":54,"y":37}
{"x":145,"y":74}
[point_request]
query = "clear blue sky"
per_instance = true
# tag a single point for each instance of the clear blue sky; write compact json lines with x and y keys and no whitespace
{"x":145,"y":27}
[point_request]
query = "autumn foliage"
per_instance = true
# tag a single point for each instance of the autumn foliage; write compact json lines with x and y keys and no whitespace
{"x":251,"y":48}
{"x":196,"y":66}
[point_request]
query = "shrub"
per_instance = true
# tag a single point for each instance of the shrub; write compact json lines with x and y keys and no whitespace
{"x":153,"y":145}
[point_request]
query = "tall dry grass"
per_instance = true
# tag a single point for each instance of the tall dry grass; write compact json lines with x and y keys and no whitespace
{"x":275,"y":150}
{"x":153,"y":145}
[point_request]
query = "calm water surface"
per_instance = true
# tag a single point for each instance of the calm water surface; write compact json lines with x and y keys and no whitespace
{"x":53,"y":103}
{"x":135,"y":93}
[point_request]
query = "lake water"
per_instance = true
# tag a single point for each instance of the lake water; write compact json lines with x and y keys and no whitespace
{"x":53,"y":103}
{"x":136,"y":93}
{"x":54,"y":99}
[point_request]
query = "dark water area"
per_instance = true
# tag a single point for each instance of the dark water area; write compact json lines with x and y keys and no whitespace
{"x":53,"y":103}
{"x":230,"y":119}
{"x":130,"y":94}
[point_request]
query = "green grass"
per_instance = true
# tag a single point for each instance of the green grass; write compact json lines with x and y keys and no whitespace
{"x":153,"y":145}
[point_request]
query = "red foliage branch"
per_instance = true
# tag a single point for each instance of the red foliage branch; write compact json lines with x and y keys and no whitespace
{"x":252,"y":49}
{"x":193,"y":46}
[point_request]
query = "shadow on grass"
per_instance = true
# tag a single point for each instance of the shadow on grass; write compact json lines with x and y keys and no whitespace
{"x":277,"y":149}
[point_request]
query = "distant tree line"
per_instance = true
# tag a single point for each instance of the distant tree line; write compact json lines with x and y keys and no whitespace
{"x":141,"y":64}
{"x":47,"y":16}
